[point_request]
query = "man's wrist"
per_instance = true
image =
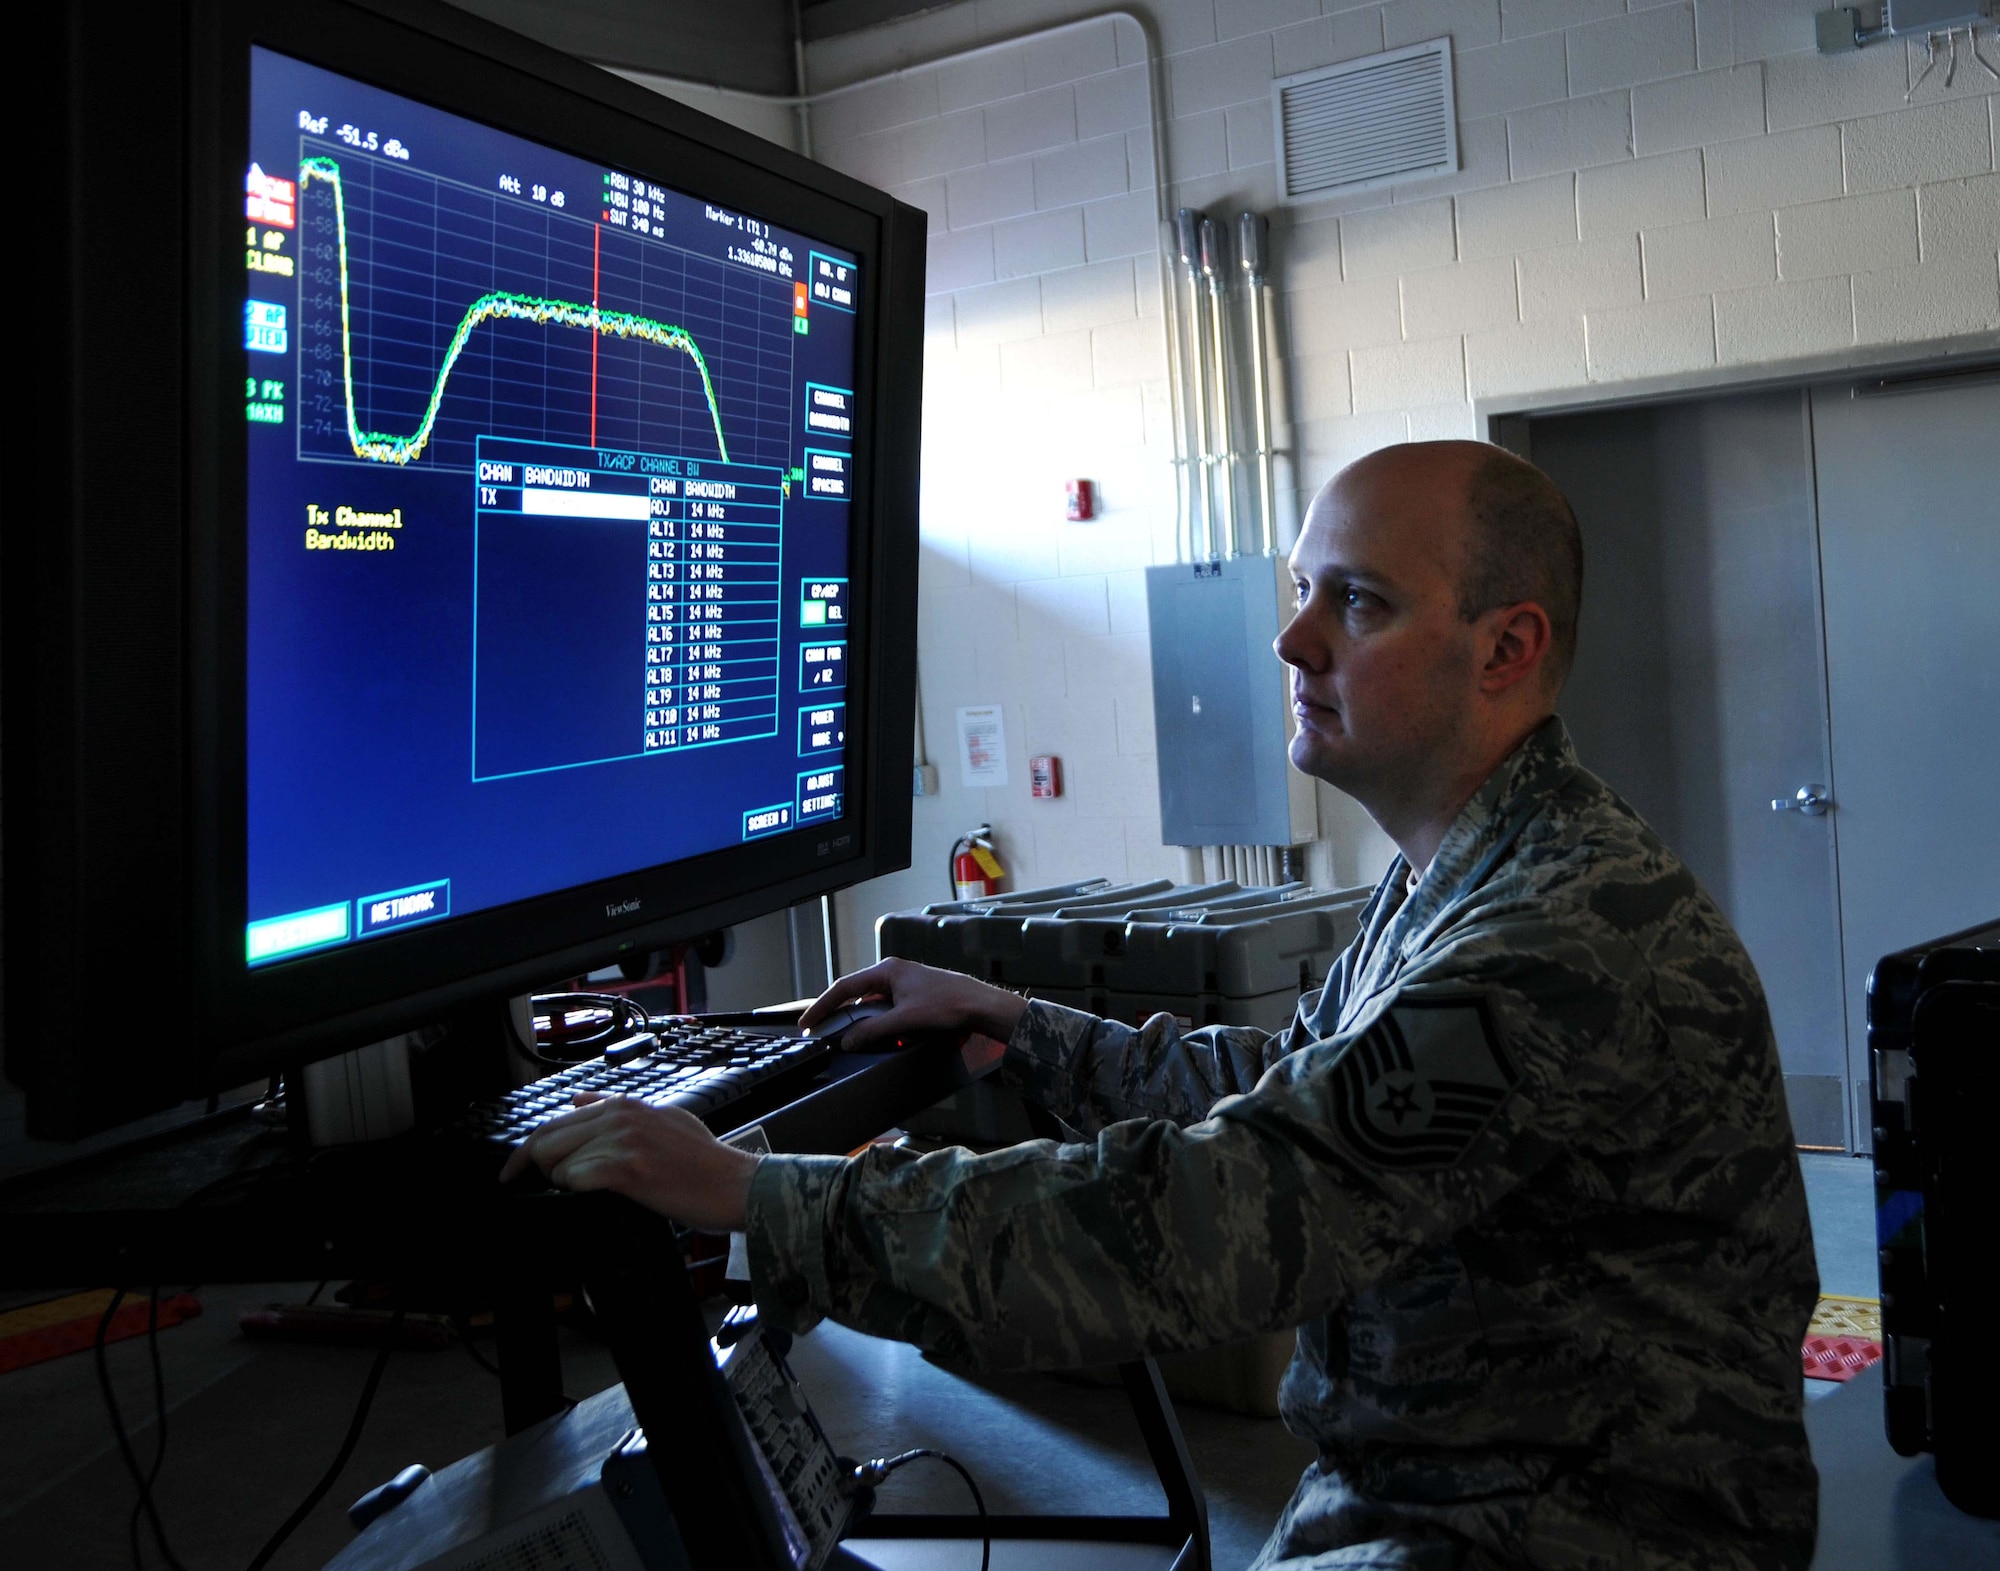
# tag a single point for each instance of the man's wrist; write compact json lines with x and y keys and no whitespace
{"x":735,"y":1187}
{"x":1002,"y":1014}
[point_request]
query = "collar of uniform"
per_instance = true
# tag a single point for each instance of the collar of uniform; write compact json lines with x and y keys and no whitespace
{"x":1360,"y":972}
{"x":1485,"y":828}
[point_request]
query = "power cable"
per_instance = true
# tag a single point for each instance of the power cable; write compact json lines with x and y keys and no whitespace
{"x":340,"y":1461}
{"x":872,"y":1473}
{"x":159,"y":1431}
{"x":141,"y":1480}
{"x":461,"y":1322}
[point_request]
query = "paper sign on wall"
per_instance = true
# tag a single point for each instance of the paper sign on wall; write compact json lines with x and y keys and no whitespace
{"x":982,"y":746}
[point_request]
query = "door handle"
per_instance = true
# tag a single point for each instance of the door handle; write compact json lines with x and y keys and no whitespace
{"x":1811,"y":800}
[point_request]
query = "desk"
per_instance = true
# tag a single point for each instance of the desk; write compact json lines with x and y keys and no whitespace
{"x":1879,"y":1511}
{"x":229,"y":1201}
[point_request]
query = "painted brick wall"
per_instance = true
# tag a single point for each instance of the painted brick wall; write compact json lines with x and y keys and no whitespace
{"x":1648,"y":192}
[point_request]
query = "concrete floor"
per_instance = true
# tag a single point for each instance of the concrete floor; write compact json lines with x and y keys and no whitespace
{"x":252,"y":1425}
{"x":1840,"y":1193}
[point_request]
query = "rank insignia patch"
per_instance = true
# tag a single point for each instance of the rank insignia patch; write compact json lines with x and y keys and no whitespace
{"x":1418,"y":1086}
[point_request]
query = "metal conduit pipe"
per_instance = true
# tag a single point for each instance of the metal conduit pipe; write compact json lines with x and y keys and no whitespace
{"x":1255,"y":249}
{"x":1187,"y":246}
{"x":1214,"y":270}
{"x":1184,"y":449}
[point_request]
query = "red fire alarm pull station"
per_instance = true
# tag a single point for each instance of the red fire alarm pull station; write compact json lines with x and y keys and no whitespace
{"x":1082,"y":501}
{"x":1045,"y":776}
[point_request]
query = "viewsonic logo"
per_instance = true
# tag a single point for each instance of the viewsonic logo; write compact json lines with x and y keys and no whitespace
{"x":622,"y":907}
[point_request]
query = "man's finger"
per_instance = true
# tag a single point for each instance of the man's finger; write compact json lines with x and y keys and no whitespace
{"x":856,"y":984}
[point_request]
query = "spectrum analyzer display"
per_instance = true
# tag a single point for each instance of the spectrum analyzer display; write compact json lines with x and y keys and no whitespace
{"x":550,"y":475}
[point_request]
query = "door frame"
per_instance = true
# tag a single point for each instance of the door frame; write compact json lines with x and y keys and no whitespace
{"x":1928,"y":357}
{"x":1504,"y":421}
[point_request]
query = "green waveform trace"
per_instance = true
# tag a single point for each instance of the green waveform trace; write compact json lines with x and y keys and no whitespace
{"x":499,"y":305}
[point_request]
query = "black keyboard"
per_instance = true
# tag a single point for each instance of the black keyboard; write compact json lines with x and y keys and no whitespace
{"x":707,"y":1069}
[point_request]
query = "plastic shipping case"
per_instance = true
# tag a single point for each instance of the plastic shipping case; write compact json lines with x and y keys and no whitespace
{"x":1933,"y":1080}
{"x":1209,"y":954}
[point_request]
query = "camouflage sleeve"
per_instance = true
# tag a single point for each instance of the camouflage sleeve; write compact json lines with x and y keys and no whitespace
{"x":1348,"y":1158}
{"x":1091,"y":1072}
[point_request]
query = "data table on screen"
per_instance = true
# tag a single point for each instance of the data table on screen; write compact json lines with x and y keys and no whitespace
{"x":600,"y":571}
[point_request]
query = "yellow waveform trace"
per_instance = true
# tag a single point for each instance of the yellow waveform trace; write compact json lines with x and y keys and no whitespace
{"x":499,"y":305}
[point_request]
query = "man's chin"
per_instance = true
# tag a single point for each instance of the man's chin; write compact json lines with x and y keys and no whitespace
{"x":1319,"y":752}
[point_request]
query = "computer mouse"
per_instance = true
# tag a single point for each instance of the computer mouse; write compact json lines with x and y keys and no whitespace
{"x":836,"y":1025}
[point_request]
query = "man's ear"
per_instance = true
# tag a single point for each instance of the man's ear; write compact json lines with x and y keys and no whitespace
{"x":1516,"y":639}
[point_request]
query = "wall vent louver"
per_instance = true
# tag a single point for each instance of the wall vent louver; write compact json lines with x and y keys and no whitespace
{"x":1369,"y":122}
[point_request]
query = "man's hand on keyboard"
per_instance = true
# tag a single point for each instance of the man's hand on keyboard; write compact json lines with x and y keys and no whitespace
{"x":662,"y":1157}
{"x":923,"y":999}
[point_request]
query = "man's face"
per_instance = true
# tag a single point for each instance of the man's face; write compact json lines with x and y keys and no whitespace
{"x":1384,"y":671}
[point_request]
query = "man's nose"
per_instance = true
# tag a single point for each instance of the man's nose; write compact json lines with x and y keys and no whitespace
{"x":1296,"y":646}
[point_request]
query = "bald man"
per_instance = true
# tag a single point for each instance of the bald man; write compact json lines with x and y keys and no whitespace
{"x":1522,"y":1173}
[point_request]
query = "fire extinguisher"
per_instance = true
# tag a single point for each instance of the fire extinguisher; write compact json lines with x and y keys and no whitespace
{"x":975,"y":869}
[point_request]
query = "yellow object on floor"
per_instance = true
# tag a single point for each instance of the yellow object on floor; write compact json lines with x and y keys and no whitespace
{"x":1841,"y":1316}
{"x":55,"y":1311}
{"x":1843,"y":1338}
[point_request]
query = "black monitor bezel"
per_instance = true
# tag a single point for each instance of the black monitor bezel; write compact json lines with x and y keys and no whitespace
{"x":320,"y":1003}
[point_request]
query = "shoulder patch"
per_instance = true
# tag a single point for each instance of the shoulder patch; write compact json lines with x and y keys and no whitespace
{"x":1415,"y":1089}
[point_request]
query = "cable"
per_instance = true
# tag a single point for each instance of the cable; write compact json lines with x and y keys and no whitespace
{"x":144,"y":1501}
{"x":566,"y":1048}
{"x":340,"y":1461}
{"x":872,"y":1473}
{"x":462,"y":1324}
{"x":139,"y":1478}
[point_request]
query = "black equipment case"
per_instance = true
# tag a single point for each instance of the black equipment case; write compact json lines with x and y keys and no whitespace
{"x":1934,"y":1080}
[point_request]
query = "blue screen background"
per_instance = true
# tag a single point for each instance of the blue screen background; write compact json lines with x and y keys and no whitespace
{"x":365,"y":625}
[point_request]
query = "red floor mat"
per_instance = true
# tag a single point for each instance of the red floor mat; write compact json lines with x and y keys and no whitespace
{"x":69,"y":1325}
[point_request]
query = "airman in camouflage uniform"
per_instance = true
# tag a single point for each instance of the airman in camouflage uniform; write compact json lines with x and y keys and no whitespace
{"x":1522,"y":1171}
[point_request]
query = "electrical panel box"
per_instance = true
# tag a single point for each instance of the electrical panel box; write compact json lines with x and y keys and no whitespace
{"x":1222,"y":709}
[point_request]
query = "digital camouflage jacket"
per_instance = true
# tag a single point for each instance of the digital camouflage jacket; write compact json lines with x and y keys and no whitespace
{"x":1522,"y":1174}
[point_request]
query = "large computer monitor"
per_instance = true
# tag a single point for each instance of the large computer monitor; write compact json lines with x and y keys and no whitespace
{"x":476,"y":538}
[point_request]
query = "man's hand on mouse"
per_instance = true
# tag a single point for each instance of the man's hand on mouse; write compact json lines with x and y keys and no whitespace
{"x":921,"y":998}
{"x":662,"y":1157}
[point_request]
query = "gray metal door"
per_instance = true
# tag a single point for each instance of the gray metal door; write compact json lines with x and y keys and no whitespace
{"x":1909,"y":507}
{"x":1699,"y":690}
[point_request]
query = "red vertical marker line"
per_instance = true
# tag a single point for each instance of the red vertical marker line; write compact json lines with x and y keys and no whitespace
{"x":596,"y":245}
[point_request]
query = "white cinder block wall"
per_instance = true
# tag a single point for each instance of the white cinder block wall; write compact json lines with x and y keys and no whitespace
{"x":1664,"y":190}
